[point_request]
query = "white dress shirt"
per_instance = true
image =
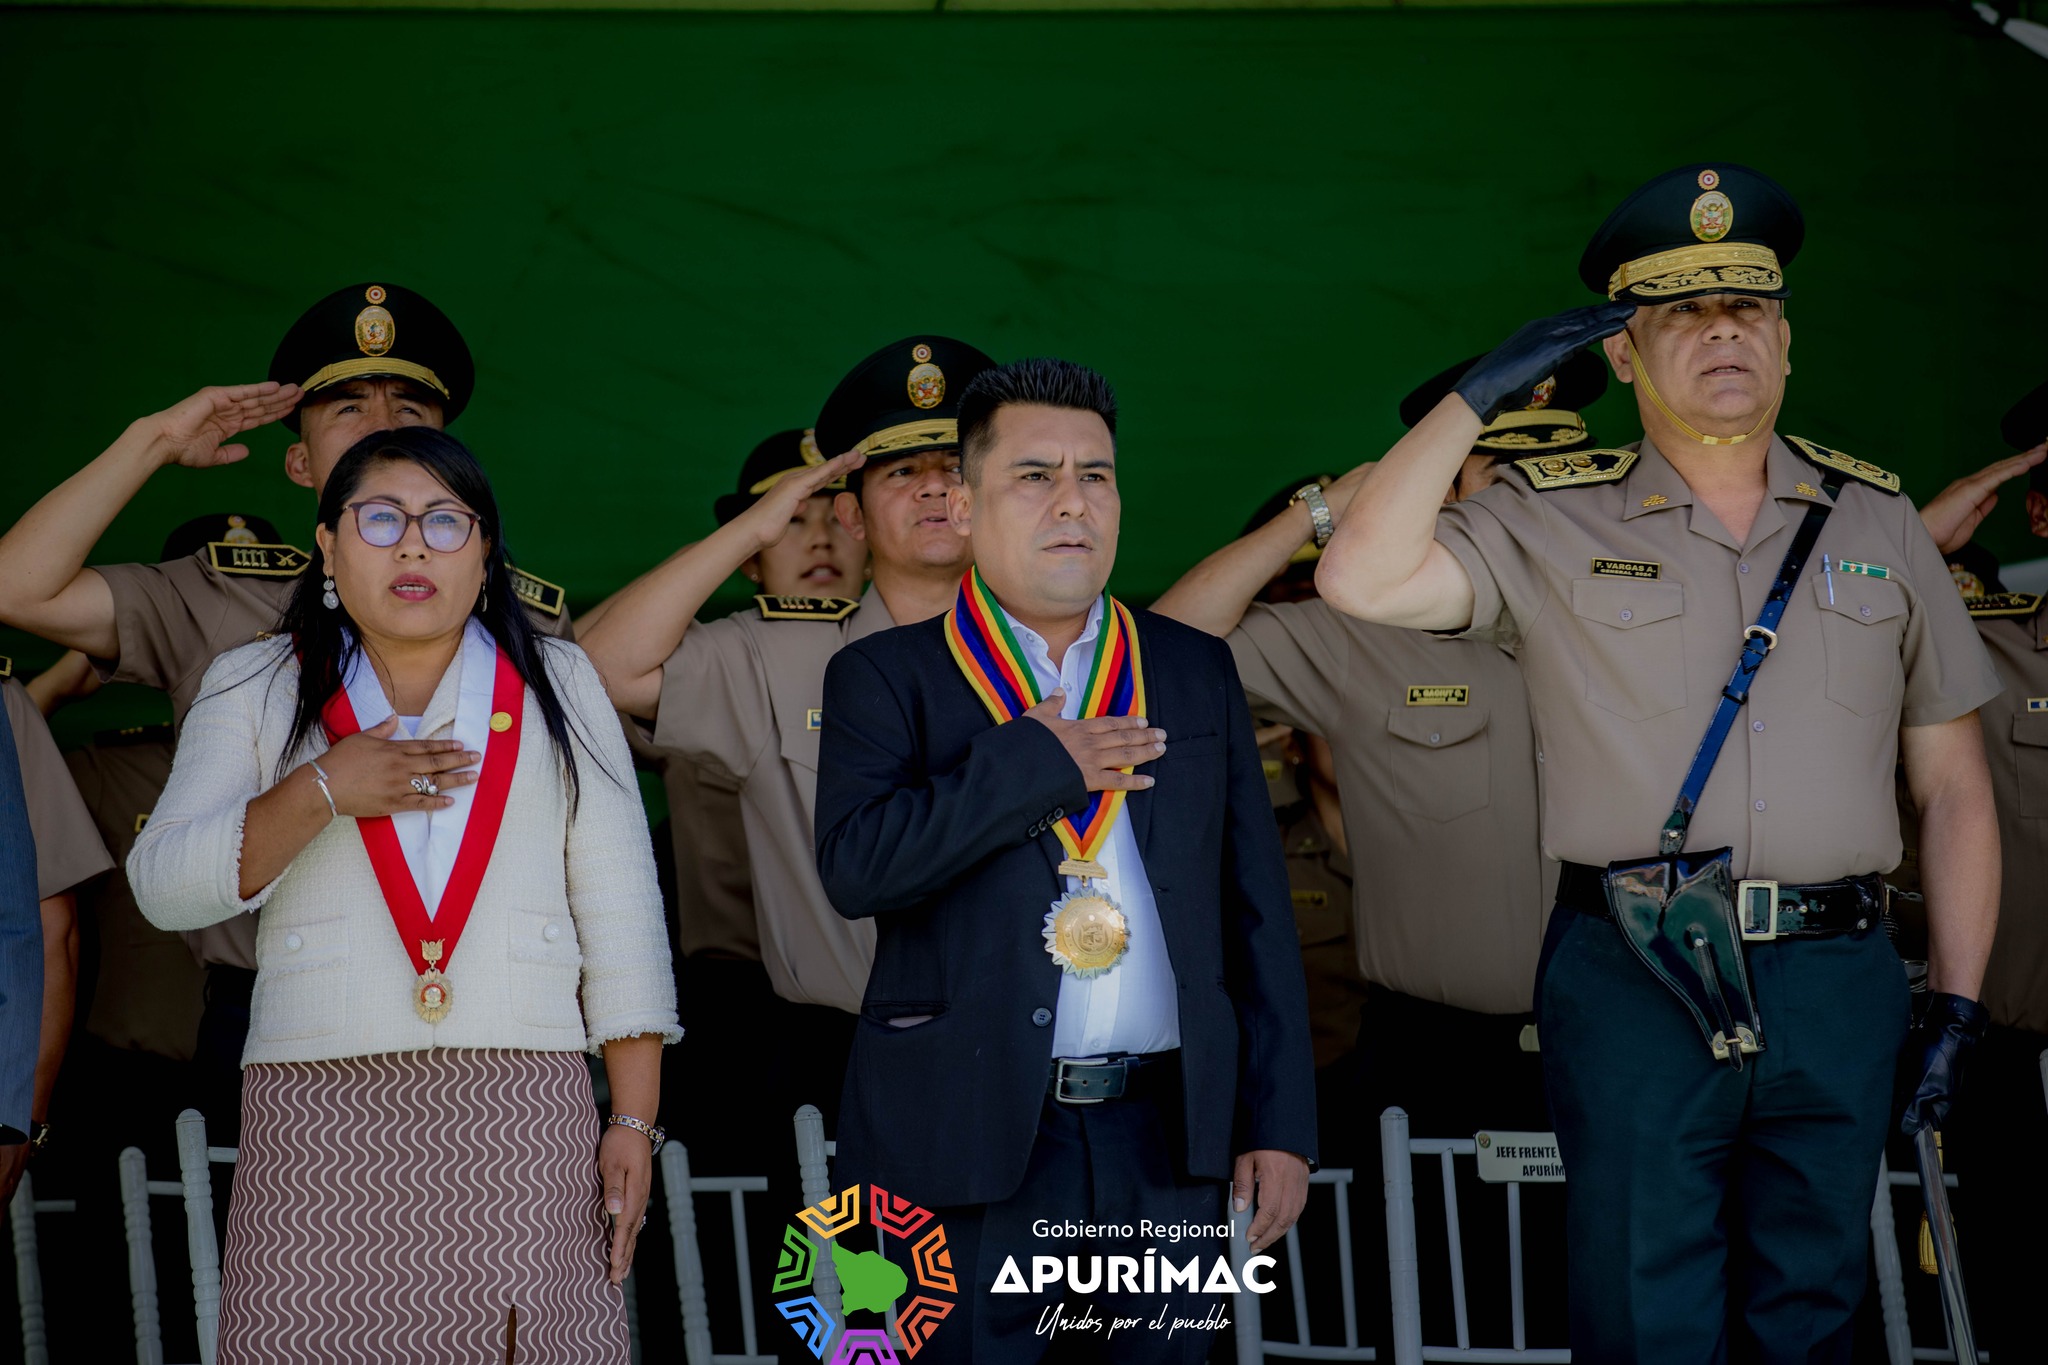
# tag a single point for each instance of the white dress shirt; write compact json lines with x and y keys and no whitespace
{"x":1134,"y":1006}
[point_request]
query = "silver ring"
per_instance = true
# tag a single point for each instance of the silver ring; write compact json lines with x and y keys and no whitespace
{"x":643,"y":1221}
{"x":425,"y":786}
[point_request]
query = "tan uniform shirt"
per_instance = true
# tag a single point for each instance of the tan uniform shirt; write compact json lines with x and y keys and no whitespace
{"x":1625,"y":660}
{"x":68,"y":847}
{"x":713,"y":879}
{"x":174,"y":619}
{"x":1436,"y":763}
{"x":150,"y":992}
{"x":1319,"y":880}
{"x":744,"y":695}
{"x":2016,"y":742}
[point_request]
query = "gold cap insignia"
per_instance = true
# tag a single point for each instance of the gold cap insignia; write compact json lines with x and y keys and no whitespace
{"x":1967,"y":583}
{"x":1545,"y":391}
{"x":1713,"y":217}
{"x":809,"y":447}
{"x":927,"y":382}
{"x":376,"y":330}
{"x":501,"y":721}
{"x":920,"y":353}
{"x":1710,"y":180}
{"x":238,"y":533}
{"x":374,"y":294}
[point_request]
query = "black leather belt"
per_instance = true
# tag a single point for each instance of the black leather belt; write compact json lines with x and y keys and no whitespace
{"x":1091,"y":1080}
{"x":229,"y":986}
{"x":1767,"y":910}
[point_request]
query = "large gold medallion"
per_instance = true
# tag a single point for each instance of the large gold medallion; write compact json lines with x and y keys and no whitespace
{"x":1086,"y":933}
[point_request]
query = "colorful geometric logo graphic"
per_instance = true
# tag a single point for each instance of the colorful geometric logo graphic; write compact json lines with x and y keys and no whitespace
{"x":868,"y":1281}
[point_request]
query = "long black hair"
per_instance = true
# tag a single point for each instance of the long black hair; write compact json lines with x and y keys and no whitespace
{"x":327,"y":640}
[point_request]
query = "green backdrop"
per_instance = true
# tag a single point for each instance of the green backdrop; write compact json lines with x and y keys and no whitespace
{"x":667,"y":234}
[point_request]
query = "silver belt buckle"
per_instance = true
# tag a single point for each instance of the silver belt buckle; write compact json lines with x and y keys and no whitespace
{"x":1059,"y":1088}
{"x":1756,"y":904}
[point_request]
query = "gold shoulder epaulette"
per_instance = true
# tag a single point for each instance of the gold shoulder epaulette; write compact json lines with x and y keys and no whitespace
{"x":537,"y":593}
{"x":775,"y":608}
{"x":1581,"y":466}
{"x":257,"y":561}
{"x":1862,"y":470}
{"x":2004,"y":604}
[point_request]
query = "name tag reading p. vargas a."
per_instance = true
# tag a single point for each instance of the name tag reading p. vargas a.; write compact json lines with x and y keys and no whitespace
{"x":1518,"y":1158}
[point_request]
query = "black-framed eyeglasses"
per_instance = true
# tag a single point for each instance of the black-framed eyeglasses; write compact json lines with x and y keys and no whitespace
{"x":444,"y":529}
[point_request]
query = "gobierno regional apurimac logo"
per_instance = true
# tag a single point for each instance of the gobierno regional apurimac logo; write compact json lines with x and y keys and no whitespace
{"x":868,"y":1280}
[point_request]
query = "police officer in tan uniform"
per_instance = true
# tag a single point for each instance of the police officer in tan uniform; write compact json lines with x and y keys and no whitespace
{"x":743,"y":694}
{"x":1436,"y":760}
{"x":2000,"y":1124}
{"x":1718,"y":1057}
{"x":364,"y":359}
{"x":68,"y":855}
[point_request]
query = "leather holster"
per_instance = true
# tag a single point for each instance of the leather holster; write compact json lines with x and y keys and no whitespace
{"x":1677,"y":915}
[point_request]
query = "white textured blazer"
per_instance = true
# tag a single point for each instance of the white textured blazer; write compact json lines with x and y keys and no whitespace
{"x":566,"y":946}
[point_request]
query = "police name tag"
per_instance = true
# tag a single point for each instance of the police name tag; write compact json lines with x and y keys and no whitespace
{"x":1441,"y":694}
{"x":1519,"y":1158}
{"x":1628,"y":568}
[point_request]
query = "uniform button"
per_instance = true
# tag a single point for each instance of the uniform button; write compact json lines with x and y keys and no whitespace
{"x":1759,"y":804}
{"x":1742,"y":568}
{"x":1041,"y":1016}
{"x":1627,"y":615}
{"x":1864,"y":610}
{"x":1757,"y":726}
{"x":551,"y":932}
{"x":1059,"y":812}
{"x":1435,"y":737}
{"x":294,"y":942}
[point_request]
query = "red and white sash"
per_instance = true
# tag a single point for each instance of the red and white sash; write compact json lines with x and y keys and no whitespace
{"x":430,"y":864}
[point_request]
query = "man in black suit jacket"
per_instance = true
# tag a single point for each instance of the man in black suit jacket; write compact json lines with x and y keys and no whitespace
{"x":1171,"y":965}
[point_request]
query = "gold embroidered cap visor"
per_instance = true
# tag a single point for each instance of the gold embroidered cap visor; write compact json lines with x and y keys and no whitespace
{"x":1708,"y":228}
{"x":1539,"y":420}
{"x":900,"y":401}
{"x":769,"y":463}
{"x":376,"y":330}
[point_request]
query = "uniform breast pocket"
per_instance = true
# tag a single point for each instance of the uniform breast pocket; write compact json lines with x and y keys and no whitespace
{"x":1439,"y":764}
{"x":545,"y":971}
{"x":2030,"y":751}
{"x":1635,"y":666}
{"x":1861,"y":630}
{"x":302,"y":984}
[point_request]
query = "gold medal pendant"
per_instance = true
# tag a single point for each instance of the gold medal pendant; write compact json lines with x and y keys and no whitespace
{"x":1086,"y":933}
{"x":433,"y":999}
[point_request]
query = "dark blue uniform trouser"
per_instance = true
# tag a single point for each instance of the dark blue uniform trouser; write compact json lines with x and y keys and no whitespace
{"x":1699,"y":1198}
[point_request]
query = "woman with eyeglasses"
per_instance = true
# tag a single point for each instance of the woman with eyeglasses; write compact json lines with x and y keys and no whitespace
{"x":435,"y":811}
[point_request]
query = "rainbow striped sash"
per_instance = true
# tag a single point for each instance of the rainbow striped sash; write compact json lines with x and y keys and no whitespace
{"x":995,"y":667}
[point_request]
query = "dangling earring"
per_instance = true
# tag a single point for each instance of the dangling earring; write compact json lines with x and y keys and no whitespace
{"x":327,"y":597}
{"x":483,"y":601}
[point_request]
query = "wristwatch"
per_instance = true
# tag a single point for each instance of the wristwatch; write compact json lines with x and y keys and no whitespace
{"x":654,"y":1135}
{"x":1310,"y":495}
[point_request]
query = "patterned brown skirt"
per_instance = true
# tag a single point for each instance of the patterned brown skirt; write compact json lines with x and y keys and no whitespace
{"x":398,"y":1208}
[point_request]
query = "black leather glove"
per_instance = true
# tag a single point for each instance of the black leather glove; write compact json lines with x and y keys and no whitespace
{"x":1948,"y":1033}
{"x":1534,"y":353}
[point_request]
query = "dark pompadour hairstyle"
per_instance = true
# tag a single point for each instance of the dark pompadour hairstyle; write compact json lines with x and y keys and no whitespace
{"x":1044,"y":381}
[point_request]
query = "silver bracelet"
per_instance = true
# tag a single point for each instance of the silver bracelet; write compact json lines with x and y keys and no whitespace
{"x":655,"y":1136}
{"x":320,"y":781}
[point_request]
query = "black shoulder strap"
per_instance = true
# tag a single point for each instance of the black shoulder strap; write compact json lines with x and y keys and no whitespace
{"x":1757,"y":643}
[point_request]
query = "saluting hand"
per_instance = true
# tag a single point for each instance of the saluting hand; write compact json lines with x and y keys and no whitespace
{"x":1953,"y":515}
{"x":370,"y":773}
{"x":770,"y":517}
{"x":191,"y":433}
{"x":1104,"y":745}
